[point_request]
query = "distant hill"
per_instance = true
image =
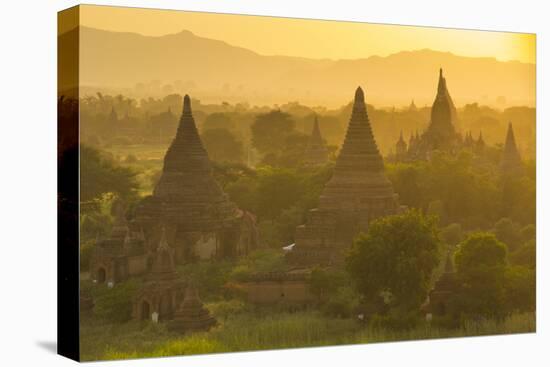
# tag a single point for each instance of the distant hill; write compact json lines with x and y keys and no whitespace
{"x":216,"y":71}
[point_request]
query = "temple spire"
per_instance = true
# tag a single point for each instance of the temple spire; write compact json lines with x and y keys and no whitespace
{"x":359,"y":170}
{"x":316,"y":152}
{"x":511,"y":159}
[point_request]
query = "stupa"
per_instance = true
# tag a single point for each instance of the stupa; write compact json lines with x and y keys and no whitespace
{"x":357,"y":193}
{"x":510,"y":164}
{"x":200,"y":220}
{"x":316,"y":152}
{"x":191,"y":315}
{"x":443,"y":290}
{"x":441,"y":134}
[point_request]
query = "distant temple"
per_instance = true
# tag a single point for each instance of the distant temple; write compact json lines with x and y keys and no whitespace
{"x":316,"y":151}
{"x":357,"y":193}
{"x":200,"y":221}
{"x":510,"y":163}
{"x":440,"y":134}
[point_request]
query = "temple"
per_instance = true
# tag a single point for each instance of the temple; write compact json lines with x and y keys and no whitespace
{"x":316,"y":151}
{"x":440,"y":134}
{"x":191,"y":315}
{"x":510,"y":164}
{"x":200,"y":221}
{"x":119,"y":256}
{"x":439,"y":297}
{"x":401,"y":147}
{"x":162,"y":290}
{"x":357,"y":193}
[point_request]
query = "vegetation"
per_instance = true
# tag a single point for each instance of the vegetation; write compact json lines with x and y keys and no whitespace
{"x":253,"y":331}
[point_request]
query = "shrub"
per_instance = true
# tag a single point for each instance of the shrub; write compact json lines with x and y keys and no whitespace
{"x":115,"y":304}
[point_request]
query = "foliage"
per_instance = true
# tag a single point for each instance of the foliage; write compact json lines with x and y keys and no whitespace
{"x":525,"y":255}
{"x":250,"y":331}
{"x":99,"y":175}
{"x":398,"y":254}
{"x":508,"y":232}
{"x":115,"y":304}
{"x":270,"y":131}
{"x":222,"y":146}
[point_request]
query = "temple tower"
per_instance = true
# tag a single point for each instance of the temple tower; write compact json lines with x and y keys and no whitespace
{"x":441,"y":134}
{"x":316,"y":152}
{"x":200,"y":220}
{"x":358,"y":192}
{"x":400,"y":148}
{"x":443,"y":290}
{"x":510,"y":163}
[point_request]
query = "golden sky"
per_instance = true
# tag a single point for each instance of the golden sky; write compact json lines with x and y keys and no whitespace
{"x":312,"y":38}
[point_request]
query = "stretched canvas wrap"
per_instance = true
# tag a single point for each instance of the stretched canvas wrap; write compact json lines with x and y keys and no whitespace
{"x":236,"y":183}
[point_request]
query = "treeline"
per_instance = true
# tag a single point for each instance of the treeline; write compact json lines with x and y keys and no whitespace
{"x":118,"y":120}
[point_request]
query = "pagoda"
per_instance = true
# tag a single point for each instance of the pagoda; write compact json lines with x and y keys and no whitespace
{"x":400,"y":147}
{"x":510,"y":163}
{"x":200,"y":221}
{"x":357,"y":193}
{"x":445,"y":287}
{"x":191,"y":315}
{"x":316,"y":152}
{"x":441,"y":134}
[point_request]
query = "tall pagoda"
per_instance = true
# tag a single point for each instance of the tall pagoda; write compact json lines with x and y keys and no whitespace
{"x":200,"y":220}
{"x":357,"y":193}
{"x":510,"y":163}
{"x":441,"y":134}
{"x":316,"y":152}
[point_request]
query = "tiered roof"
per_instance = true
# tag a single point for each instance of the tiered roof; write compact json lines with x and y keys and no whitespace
{"x":358,"y":177}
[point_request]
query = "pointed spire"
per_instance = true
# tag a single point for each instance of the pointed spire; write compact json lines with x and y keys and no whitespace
{"x":359,"y":170}
{"x":163,"y":243}
{"x":511,"y":159}
{"x":316,"y":152}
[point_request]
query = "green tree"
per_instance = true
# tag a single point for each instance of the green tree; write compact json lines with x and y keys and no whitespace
{"x":481,"y":262}
{"x":270,"y":131}
{"x":222,"y":146}
{"x":218,"y":120}
{"x":99,"y":174}
{"x":398,"y":255}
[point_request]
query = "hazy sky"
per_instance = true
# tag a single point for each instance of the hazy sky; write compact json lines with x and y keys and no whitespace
{"x":311,"y":38}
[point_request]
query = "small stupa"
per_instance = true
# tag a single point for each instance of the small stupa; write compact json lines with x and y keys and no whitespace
{"x":510,"y":163}
{"x":191,"y":315}
{"x":316,"y":153}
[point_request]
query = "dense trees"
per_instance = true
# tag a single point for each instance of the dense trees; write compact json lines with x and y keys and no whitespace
{"x":488,"y":285}
{"x":99,"y":174}
{"x":222,"y":146}
{"x":397,"y":255}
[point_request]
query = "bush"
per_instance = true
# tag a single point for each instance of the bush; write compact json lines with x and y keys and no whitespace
{"x":115,"y":304}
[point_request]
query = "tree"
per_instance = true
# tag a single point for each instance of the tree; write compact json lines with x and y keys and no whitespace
{"x":99,"y":174}
{"x":218,"y":120}
{"x":222,"y":146}
{"x":508,"y":231}
{"x":398,"y":255}
{"x":481,"y":262}
{"x":270,"y":130}
{"x":278,"y":189}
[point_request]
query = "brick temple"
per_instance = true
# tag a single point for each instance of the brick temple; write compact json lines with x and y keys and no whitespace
{"x":200,"y":221}
{"x":357,"y":193}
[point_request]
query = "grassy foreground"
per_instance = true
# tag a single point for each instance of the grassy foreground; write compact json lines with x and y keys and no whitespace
{"x":251,"y":331}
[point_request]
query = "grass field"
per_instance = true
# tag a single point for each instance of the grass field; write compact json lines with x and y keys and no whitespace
{"x":252,"y":331}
